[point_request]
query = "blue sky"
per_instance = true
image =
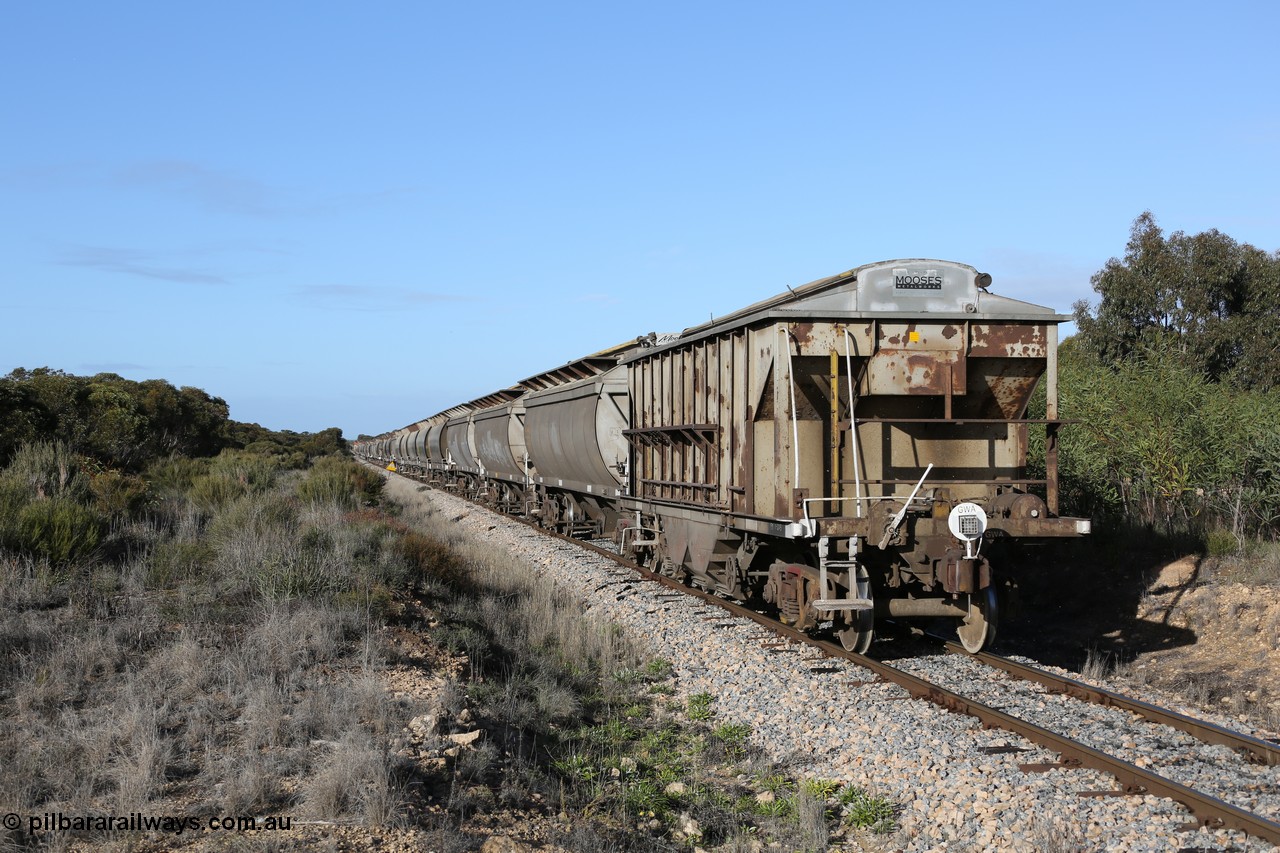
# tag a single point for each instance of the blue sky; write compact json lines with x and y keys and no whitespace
{"x":357,"y":215}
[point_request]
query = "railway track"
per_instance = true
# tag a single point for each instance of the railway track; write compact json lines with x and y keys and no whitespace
{"x":1251,"y":749}
{"x":1131,"y":778}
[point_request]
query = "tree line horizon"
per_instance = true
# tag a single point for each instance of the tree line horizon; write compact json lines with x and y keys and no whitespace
{"x":1173,"y":378}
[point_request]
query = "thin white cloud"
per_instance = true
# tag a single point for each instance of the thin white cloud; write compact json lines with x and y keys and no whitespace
{"x":133,"y":262}
{"x":208,"y":187}
{"x":213,"y":189}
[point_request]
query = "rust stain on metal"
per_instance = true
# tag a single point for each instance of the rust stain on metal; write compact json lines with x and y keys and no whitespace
{"x":802,"y":332}
{"x":1009,"y":340}
{"x":949,"y":332}
{"x":1011,"y":388}
{"x":896,"y":371}
{"x":922,"y":375}
{"x":1020,"y":437}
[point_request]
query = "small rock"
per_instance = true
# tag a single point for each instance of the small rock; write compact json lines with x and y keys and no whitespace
{"x":676,"y":788}
{"x":466,"y":738}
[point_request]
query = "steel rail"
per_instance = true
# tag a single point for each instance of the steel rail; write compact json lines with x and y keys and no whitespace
{"x":1255,"y":750}
{"x":1208,"y":811}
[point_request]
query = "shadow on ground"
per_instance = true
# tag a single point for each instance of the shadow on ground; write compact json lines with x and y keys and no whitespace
{"x":1075,"y":599}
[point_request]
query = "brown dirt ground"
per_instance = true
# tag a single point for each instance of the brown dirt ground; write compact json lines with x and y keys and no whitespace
{"x":1205,"y":644}
{"x":1233,"y":667}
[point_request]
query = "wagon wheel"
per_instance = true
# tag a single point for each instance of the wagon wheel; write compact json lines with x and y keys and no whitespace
{"x":978,"y":629}
{"x":858,"y":636}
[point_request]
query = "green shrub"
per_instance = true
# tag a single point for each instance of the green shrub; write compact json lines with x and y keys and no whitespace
{"x":867,"y":811}
{"x":700,"y":706}
{"x":377,"y":601}
{"x":213,"y":491}
{"x":256,"y":473}
{"x":48,"y":470}
{"x":1157,"y":444}
{"x":116,"y":493}
{"x":58,"y":529}
{"x":432,"y":558}
{"x":775,"y":783}
{"x":732,"y":739}
{"x":177,"y":560}
{"x":13,"y":498}
{"x":280,"y":455}
{"x":820,"y":789}
{"x":658,"y":669}
{"x":644,"y":797}
{"x":175,"y":475}
{"x":255,"y":516}
{"x":279,"y":577}
{"x":775,"y":807}
{"x":1221,"y":543}
{"x":341,"y":481}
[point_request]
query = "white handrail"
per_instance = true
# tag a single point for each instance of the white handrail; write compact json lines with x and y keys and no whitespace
{"x":795,"y":428}
{"x":853,"y":421}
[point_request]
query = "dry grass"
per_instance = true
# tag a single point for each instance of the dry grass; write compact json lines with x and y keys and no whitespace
{"x":1256,"y":563}
{"x":211,"y":664}
{"x":228,"y":660}
{"x":354,"y":777}
{"x":576,"y":720}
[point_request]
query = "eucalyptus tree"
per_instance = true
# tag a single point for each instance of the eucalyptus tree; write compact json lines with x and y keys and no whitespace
{"x":1206,"y":299}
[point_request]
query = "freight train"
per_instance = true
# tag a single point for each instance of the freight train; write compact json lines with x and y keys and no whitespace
{"x":852,"y":449}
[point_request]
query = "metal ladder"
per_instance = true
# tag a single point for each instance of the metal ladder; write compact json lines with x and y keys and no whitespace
{"x":826,"y":564}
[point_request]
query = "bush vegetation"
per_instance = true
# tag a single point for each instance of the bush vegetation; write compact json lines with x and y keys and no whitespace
{"x":182,"y":647}
{"x":207,"y":636}
{"x":1174,"y":381}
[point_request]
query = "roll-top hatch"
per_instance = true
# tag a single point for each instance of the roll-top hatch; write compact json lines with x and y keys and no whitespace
{"x":906,"y":287}
{"x":583,"y":368}
{"x":574,"y":371}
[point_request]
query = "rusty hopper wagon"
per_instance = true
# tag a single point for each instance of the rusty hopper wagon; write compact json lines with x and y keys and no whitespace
{"x":851,"y":449}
